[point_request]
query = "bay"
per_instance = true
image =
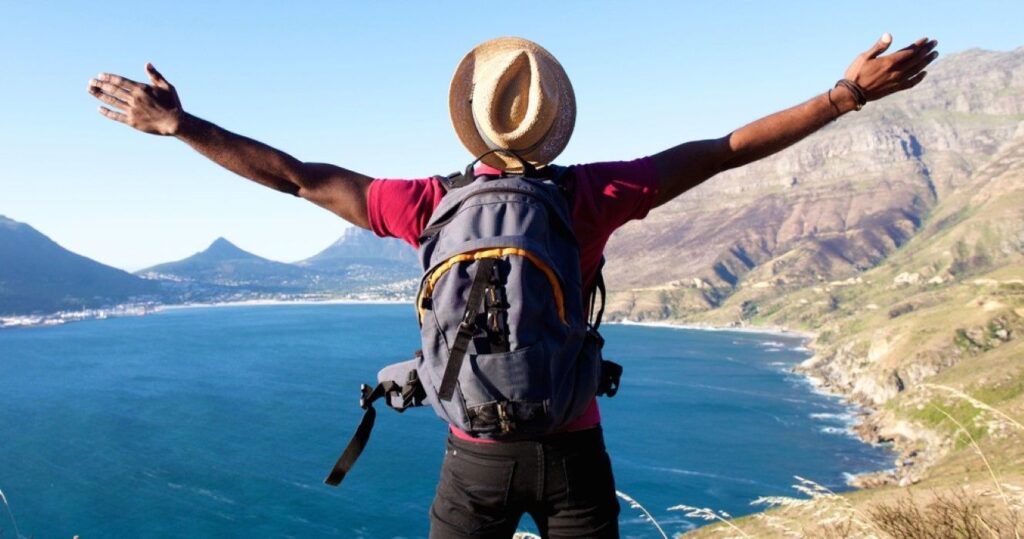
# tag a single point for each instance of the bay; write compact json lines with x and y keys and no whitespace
{"x":222,"y":422}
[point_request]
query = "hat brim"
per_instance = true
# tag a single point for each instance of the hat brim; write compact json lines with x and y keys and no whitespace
{"x":460,"y":106}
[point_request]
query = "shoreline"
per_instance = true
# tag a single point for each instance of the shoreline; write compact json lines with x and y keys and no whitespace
{"x":864,"y":419}
{"x":767,"y":330}
{"x":272,"y":302}
{"x":59,"y":318}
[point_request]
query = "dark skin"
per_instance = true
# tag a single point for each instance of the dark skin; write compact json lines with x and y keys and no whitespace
{"x":155,"y":108}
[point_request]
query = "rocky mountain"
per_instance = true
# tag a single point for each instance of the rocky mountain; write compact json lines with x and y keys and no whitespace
{"x":360,"y":246}
{"x":39,"y":276}
{"x":364,"y":258}
{"x":829,"y":208}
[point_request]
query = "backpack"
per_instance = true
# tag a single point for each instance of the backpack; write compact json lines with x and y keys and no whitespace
{"x":509,"y":352}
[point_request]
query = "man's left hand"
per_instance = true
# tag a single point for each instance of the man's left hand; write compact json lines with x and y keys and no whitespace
{"x":880,"y":76}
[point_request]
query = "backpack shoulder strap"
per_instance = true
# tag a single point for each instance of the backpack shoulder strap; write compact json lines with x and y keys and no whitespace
{"x":454,"y":180}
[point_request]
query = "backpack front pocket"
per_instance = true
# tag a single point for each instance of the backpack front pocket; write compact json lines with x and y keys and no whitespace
{"x":506,"y":392}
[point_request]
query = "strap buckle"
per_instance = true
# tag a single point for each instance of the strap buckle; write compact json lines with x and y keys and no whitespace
{"x":611,"y":373}
{"x":504,"y":419}
{"x":366,"y":396}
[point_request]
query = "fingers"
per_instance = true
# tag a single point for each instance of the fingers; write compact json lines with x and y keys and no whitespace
{"x":913,"y":81}
{"x":919,"y":62}
{"x":108,"y":99}
{"x":155,"y":76}
{"x":881,"y":46}
{"x":116,"y":116}
{"x":95,"y":86}
{"x":118,"y":80}
{"x":915,"y":52}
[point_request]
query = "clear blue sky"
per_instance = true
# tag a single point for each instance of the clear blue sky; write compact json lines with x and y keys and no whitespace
{"x":364,"y":85}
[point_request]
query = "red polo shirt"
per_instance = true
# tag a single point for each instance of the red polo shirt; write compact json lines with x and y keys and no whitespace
{"x":605,"y":197}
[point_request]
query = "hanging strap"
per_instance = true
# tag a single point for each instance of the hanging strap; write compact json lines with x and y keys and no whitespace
{"x":466,"y":330}
{"x":410,"y":394}
{"x":595,"y":321}
{"x":362,"y":435}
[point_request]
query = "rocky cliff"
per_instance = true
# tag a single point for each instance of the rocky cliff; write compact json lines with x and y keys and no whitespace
{"x":829,"y":208}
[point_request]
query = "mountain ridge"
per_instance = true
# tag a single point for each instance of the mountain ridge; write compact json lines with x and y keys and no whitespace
{"x":38,"y":275}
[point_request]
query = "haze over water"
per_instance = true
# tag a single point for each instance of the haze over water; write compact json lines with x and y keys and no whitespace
{"x":222,"y":422}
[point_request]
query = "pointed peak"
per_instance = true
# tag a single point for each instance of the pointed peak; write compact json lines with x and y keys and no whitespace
{"x":221,"y":248}
{"x":220,"y":243}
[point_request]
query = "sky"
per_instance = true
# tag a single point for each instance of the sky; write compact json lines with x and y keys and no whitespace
{"x":364,"y":86}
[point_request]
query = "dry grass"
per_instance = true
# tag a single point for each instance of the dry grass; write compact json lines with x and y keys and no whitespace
{"x":951,"y":514}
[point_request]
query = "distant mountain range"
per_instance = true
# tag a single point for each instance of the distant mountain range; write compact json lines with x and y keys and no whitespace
{"x":37,"y":276}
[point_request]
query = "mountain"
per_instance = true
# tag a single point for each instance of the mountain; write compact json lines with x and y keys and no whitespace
{"x":827,"y":209}
{"x":895,"y":236}
{"x":39,"y":276}
{"x":357,"y":263}
{"x":364,"y":258}
{"x":360,"y":246}
{"x":225,"y":264}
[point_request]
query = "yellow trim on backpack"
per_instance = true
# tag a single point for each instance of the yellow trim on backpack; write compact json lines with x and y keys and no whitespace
{"x":428,"y":285}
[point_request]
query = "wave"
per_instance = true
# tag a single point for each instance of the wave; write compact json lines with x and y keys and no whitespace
{"x":694,"y":473}
{"x":206,"y":493}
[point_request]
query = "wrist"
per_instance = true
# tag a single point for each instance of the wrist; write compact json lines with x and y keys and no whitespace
{"x":185,"y":124}
{"x":842,"y":100}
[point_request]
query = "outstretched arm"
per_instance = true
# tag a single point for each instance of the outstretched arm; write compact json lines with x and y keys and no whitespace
{"x":687,"y":165}
{"x":155,"y":108}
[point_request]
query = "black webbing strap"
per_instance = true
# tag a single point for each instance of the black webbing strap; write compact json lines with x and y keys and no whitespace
{"x":595,"y":321}
{"x":466,"y":330}
{"x":362,"y":435}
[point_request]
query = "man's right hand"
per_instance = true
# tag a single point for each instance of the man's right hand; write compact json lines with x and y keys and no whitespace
{"x":150,"y":108}
{"x":155,"y":108}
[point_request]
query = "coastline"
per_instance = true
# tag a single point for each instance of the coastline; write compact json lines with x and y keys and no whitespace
{"x":866,"y":420}
{"x":142,"y":309}
{"x":271,"y":302}
{"x":766,"y":330}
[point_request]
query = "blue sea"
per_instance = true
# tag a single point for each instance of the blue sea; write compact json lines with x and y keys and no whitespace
{"x":223,"y":422}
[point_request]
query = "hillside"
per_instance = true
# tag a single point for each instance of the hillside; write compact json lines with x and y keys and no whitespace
{"x":896,"y":236}
{"x":225,"y":264}
{"x":829,"y":208}
{"x":39,"y":276}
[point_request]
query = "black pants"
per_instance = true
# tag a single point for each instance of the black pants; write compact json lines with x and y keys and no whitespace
{"x":563,"y":481}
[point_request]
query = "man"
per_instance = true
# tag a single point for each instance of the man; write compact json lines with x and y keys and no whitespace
{"x":511,"y":94}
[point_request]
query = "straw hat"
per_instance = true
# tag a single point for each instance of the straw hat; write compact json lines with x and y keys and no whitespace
{"x":510,"y":93}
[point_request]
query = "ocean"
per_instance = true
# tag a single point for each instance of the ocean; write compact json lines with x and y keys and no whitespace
{"x":223,"y":422}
